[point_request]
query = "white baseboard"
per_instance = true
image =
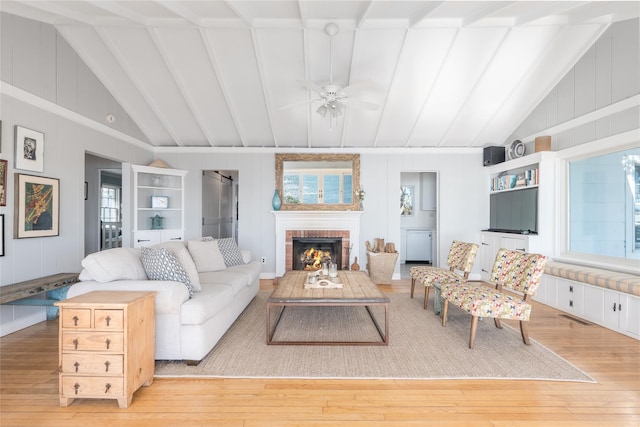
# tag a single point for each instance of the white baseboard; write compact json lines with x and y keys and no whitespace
{"x":21,"y":323}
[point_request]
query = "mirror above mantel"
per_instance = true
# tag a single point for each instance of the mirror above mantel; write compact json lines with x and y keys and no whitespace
{"x":313,"y":182}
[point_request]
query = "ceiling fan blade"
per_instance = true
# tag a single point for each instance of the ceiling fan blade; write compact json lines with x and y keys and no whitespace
{"x":295,"y":104}
{"x":361,"y":87}
{"x":311,"y":86}
{"x":361,"y":105}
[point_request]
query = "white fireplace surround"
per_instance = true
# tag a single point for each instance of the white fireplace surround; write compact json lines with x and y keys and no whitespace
{"x":314,"y":220}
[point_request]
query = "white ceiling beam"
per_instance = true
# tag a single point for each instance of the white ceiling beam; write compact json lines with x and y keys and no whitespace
{"x":364,"y":11}
{"x":263,"y":81}
{"x":548,"y":9}
{"x":424,"y":13}
{"x":215,"y":64}
{"x":162,"y":50}
{"x":486,"y":11}
{"x":234,"y":8}
{"x":474,"y":88}
{"x":58,"y":10}
{"x":435,"y":82}
{"x":307,"y":77}
{"x":179,"y":10}
{"x":393,"y":80}
{"x":121,"y":11}
{"x":131,"y":75}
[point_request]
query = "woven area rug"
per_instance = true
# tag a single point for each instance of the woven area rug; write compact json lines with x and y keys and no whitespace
{"x":419,"y":348}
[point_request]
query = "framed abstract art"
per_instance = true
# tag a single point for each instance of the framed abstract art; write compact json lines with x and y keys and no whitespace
{"x":37,"y":207}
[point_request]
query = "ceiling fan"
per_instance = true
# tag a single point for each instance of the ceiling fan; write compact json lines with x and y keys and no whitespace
{"x":333,"y":99}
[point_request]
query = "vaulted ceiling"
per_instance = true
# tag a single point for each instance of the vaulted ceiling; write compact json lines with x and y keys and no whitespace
{"x":231,"y":73}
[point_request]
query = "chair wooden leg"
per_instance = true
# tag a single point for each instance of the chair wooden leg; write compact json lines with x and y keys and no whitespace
{"x":497,"y":322}
{"x":426,"y":295}
{"x":524,"y":330}
{"x":474,"y":326}
{"x":445,"y":308}
{"x":413,"y":285}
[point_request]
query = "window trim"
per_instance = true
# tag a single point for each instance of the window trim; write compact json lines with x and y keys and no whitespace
{"x":620,"y":142}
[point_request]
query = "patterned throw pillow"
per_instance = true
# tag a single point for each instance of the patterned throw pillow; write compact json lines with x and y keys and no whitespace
{"x":161,"y":264}
{"x":230,"y":252}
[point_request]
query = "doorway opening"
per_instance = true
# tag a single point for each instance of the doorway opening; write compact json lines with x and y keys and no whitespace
{"x":418,"y":209}
{"x":220,"y":203}
{"x":103,"y":203}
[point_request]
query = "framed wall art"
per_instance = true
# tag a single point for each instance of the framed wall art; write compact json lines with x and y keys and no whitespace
{"x":159,"y":202}
{"x":1,"y":234}
{"x":29,"y":149}
{"x":407,"y":194}
{"x":37,"y":206}
{"x":3,"y":183}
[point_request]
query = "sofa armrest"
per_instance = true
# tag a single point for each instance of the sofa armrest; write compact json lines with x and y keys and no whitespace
{"x":169,"y":295}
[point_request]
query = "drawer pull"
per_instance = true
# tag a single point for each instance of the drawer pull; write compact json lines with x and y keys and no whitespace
{"x":75,"y":344}
{"x":176,"y":238}
{"x":143,"y":240}
{"x":76,"y":365}
{"x":570,"y":303}
{"x":76,"y":386}
{"x":108,"y":319}
{"x":571,"y":288}
{"x":106,"y":366}
{"x":75,"y":320}
{"x":106,"y":390}
{"x":521,"y":249}
{"x":614,"y":306}
{"x":108,"y":342}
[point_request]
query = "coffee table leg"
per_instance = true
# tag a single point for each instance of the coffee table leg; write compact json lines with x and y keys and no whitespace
{"x":271,"y":332}
{"x":384,"y":335}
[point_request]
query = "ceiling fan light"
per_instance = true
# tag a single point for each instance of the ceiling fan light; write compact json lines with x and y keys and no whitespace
{"x":322,"y":110}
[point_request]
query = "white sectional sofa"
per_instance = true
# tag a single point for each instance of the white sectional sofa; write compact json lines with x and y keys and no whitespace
{"x":192,"y":313}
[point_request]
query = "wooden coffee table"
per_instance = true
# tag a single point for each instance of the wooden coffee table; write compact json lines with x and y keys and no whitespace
{"x":358,"y":290}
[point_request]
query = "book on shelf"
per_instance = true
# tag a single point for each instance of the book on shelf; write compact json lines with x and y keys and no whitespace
{"x":526,"y":178}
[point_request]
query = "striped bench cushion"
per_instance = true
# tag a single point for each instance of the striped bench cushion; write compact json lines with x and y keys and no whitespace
{"x":622,"y":282}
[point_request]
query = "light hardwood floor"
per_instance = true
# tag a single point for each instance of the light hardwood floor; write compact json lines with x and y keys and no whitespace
{"x":29,"y":390}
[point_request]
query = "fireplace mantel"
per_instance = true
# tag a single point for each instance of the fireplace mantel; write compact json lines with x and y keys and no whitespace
{"x":314,"y":220}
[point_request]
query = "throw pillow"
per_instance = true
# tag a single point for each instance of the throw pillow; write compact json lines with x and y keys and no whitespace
{"x":114,"y":264}
{"x":206,"y":256}
{"x":182,"y":253}
{"x":161,"y":264}
{"x":230,"y":252}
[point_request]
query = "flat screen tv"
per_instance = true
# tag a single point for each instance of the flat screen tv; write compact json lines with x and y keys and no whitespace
{"x":514,"y":211}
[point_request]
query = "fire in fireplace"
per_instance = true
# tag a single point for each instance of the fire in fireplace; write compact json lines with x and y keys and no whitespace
{"x":310,"y":252}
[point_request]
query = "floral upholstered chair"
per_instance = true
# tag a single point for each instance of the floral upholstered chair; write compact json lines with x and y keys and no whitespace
{"x":515,"y":270}
{"x":460,"y":261}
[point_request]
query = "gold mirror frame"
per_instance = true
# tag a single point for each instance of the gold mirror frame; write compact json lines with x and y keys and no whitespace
{"x":353,"y":158}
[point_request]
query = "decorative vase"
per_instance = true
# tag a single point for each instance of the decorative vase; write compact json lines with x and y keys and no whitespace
{"x":276,"y":202}
{"x":355,"y":266}
{"x":361,"y":205}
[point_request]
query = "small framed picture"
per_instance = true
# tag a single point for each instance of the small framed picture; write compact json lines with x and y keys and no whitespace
{"x":407,"y":200}
{"x":29,"y":149}
{"x":159,"y":202}
{"x":1,"y":234}
{"x":37,"y":207}
{"x":3,"y":183}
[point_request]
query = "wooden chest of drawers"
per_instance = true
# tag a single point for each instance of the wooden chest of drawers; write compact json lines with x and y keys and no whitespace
{"x":106,"y":343}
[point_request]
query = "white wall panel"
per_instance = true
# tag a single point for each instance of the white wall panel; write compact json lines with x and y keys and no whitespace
{"x":566,"y":97}
{"x":585,"y":84}
{"x":66,"y":72}
{"x":625,"y":74}
{"x":603,"y":70}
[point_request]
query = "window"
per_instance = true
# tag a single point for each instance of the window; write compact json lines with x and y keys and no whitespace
{"x":110,"y":204}
{"x":604,"y":205}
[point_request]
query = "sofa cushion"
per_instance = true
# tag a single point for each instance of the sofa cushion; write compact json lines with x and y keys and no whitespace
{"x":251,"y":270}
{"x":209,"y":302}
{"x":114,"y":264}
{"x":236,"y":279}
{"x":206,"y":255}
{"x":184,"y":256}
{"x":162,"y":264}
{"x":230,"y":252}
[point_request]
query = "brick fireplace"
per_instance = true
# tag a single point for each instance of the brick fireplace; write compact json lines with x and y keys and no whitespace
{"x":339,"y":224}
